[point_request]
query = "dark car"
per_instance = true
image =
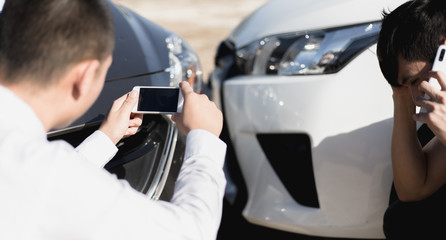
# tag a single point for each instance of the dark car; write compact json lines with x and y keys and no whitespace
{"x":148,"y":55}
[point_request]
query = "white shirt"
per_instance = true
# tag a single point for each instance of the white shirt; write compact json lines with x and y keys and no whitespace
{"x":49,"y":190}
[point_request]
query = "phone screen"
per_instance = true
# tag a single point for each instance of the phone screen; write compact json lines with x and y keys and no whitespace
{"x":158,"y":99}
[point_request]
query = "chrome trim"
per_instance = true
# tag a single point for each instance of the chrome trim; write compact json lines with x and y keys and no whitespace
{"x":57,"y":132}
{"x":157,"y":186}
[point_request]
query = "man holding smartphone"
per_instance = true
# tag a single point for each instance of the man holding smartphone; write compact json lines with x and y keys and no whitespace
{"x":54,"y":55}
{"x":407,"y":46}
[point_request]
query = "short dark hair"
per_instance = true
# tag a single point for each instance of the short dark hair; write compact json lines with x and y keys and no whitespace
{"x":413,"y":31}
{"x":41,"y":39}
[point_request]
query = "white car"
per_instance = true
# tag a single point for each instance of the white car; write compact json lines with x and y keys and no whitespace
{"x":309,"y":116}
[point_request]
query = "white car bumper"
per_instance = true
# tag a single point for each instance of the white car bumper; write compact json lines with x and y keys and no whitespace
{"x":348,"y":118}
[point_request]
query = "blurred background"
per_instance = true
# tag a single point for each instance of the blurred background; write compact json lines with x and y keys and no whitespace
{"x":203,"y":23}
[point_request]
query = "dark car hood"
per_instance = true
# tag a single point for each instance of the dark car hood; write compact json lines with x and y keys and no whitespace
{"x":140,"y":45}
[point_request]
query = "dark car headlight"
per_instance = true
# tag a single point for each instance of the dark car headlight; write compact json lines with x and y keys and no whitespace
{"x":184,"y":63}
{"x":304,"y":53}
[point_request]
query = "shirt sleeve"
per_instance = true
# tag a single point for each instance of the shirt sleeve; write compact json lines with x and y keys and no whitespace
{"x":97,"y":148}
{"x":201,"y":183}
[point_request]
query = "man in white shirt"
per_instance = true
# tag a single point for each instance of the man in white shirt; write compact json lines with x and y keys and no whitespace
{"x":54,"y":55}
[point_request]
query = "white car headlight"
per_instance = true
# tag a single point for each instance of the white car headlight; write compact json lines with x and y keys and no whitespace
{"x":184,"y":63}
{"x":317,"y":52}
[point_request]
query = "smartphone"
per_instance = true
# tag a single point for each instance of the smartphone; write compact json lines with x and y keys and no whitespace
{"x":438,"y":65}
{"x":158,"y":100}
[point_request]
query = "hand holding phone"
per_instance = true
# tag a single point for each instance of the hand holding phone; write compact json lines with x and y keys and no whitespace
{"x":158,"y":100}
{"x":198,"y":113}
{"x":120,"y":122}
{"x":438,"y":65}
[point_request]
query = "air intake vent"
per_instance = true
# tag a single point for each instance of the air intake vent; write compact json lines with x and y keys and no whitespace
{"x":290,"y":157}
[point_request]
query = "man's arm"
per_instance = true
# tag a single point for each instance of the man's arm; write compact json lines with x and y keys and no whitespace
{"x":408,"y":163}
{"x":200,"y":186}
{"x":97,"y":149}
{"x":117,"y":211}
{"x":433,"y":159}
{"x":196,"y":207}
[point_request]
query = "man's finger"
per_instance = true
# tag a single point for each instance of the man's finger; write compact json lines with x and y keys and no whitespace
{"x":174,"y":117}
{"x":130,"y":101}
{"x":186,"y":88}
{"x":423,"y":103}
{"x":420,"y":117}
{"x":136,"y":121}
{"x":427,"y":88}
{"x":118,"y":103}
{"x":131,"y":131}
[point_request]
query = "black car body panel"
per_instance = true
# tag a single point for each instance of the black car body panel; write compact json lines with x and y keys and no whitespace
{"x":140,"y":45}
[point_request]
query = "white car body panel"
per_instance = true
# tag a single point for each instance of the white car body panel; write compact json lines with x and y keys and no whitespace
{"x":348,"y":116}
{"x":351,"y":159}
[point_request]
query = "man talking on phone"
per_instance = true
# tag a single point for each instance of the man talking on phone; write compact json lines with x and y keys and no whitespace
{"x":54,"y":55}
{"x":407,"y":47}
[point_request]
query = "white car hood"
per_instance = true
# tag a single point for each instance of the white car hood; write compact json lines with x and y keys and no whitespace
{"x":284,"y":16}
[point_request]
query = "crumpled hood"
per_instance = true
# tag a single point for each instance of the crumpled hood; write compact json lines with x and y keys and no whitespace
{"x":283,"y":16}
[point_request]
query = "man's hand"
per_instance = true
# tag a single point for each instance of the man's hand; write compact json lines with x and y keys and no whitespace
{"x":198,"y":112}
{"x":435,"y":115}
{"x":120,"y":121}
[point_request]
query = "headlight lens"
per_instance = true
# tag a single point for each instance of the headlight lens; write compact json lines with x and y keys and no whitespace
{"x":318,"y":52}
{"x":184,"y":63}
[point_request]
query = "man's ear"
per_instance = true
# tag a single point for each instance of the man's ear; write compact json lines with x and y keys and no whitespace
{"x":84,"y":74}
